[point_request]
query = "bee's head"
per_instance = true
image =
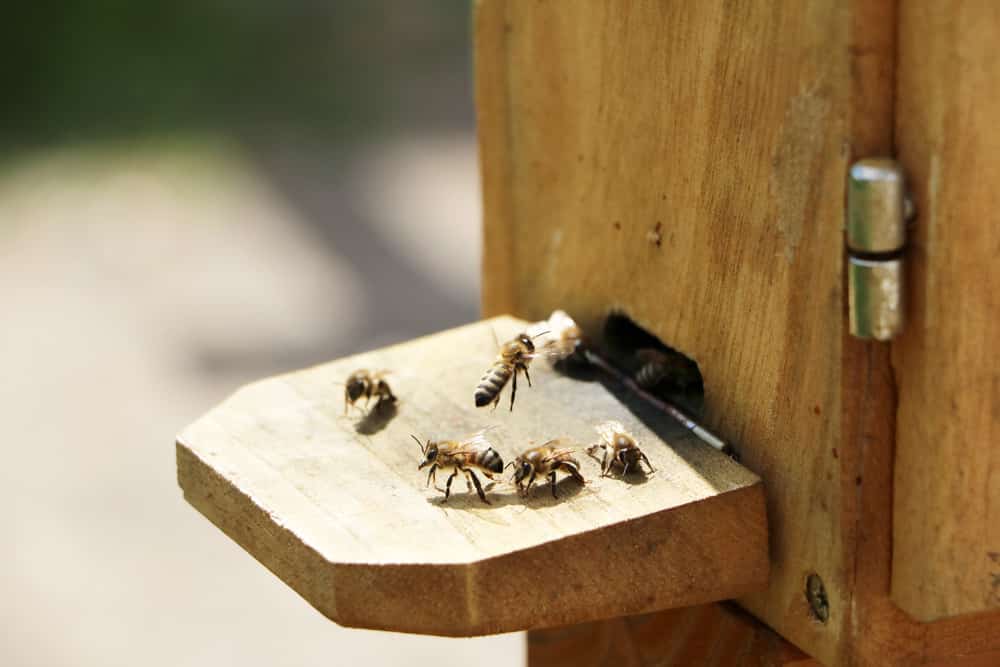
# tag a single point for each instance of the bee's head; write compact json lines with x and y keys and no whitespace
{"x":629,"y":457}
{"x":522,"y":469}
{"x":526,"y":341}
{"x":355,"y":387}
{"x":429,"y":450}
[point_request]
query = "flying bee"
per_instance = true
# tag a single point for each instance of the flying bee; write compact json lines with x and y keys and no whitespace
{"x":367,"y":384}
{"x":618,"y":445}
{"x":514,"y":357}
{"x":544,"y":460}
{"x":466,"y":456}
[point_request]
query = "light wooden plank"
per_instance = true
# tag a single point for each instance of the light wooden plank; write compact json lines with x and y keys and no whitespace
{"x":338,"y":510}
{"x":491,"y":30}
{"x":946,"y":557}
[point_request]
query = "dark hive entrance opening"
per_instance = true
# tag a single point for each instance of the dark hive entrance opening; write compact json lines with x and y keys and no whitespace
{"x":656,"y":367}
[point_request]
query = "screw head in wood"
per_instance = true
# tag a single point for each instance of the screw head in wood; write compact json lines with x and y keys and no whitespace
{"x":819,"y":604}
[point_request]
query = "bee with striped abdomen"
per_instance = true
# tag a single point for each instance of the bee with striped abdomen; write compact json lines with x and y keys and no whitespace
{"x":544,"y":461}
{"x":514,"y":357}
{"x":619,"y":446}
{"x":465,"y":456}
{"x":367,"y":384}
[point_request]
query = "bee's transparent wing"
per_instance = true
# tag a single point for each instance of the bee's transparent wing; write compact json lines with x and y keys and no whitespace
{"x":559,"y":323}
{"x":609,"y":428}
{"x":557,"y":337}
{"x":562,"y":453}
{"x":478,"y":439}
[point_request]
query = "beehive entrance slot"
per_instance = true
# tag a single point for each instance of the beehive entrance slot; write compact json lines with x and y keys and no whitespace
{"x":657,"y":367}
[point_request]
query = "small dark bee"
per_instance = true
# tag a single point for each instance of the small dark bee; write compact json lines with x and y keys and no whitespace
{"x":666,"y":370}
{"x":475,"y":452}
{"x":619,"y":446}
{"x":514,"y":357}
{"x":367,"y":384}
{"x":543,"y":461}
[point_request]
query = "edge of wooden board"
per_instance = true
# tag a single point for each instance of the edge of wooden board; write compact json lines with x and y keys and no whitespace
{"x":501,"y":594}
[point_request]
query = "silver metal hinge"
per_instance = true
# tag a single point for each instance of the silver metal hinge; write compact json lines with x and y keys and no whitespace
{"x":878,"y":208}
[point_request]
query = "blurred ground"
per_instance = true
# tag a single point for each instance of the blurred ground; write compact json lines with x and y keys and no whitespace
{"x":194,"y":195}
{"x":139,"y":288}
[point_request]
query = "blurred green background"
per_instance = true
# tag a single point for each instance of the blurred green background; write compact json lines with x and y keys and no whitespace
{"x":194,"y":195}
{"x":330,"y":71}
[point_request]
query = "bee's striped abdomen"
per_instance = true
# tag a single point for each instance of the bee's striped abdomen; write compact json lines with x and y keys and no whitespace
{"x":492,"y":383}
{"x":650,"y":374}
{"x":491,"y":460}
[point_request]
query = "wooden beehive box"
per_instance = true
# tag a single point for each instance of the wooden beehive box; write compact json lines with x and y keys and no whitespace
{"x":686,"y":163}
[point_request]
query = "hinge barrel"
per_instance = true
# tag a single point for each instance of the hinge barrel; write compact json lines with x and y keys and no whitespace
{"x":877,"y":212}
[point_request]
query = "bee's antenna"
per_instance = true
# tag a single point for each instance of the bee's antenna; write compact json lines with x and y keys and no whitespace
{"x":509,"y":464}
{"x":540,"y":333}
{"x":423,"y":449}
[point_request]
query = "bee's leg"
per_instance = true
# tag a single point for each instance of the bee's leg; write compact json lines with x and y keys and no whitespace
{"x":624,"y":462}
{"x":431,"y":475}
{"x":513,"y":388}
{"x":447,"y":487}
{"x":651,"y":468}
{"x":552,"y":483}
{"x":526,"y":376}
{"x":574,"y":472}
{"x":385,"y":395}
{"x":604,"y":463}
{"x":468,"y":484}
{"x":531,"y":481}
{"x":479,"y":487}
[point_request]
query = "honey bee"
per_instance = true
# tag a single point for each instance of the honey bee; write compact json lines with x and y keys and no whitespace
{"x":368,"y":384}
{"x":514,"y":357}
{"x":668,"y":370}
{"x":466,"y":456}
{"x":618,"y":445}
{"x":544,"y":460}
{"x":566,"y":336}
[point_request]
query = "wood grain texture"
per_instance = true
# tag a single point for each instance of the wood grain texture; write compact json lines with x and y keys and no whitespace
{"x":337,"y":509}
{"x":684,"y":114}
{"x":946,"y":558}
{"x":491,"y":30}
{"x":713,"y":635}
{"x":730,"y":127}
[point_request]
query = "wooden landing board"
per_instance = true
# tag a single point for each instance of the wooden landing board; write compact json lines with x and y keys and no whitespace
{"x":336,"y":507}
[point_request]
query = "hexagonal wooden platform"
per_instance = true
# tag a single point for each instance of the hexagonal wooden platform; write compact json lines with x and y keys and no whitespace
{"x":335,"y":506}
